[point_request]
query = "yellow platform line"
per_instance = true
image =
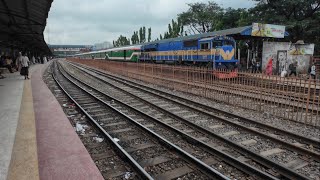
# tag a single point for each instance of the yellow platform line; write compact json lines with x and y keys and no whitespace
{"x":24,"y":160}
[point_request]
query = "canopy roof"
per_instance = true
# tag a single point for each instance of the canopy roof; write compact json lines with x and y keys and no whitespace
{"x":237,"y":33}
{"x":22,"y":23}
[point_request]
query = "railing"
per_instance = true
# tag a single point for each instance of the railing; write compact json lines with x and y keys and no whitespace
{"x":290,"y":98}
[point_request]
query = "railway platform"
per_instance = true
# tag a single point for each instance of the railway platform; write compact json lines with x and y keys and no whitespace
{"x":37,"y":139}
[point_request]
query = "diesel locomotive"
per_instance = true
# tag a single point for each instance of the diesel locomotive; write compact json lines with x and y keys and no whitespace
{"x":218,"y":51}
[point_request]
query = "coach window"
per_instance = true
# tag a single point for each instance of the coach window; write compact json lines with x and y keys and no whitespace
{"x":204,"y":46}
{"x":191,"y":43}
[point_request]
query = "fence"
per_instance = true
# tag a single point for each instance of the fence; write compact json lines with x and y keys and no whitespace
{"x":290,"y":98}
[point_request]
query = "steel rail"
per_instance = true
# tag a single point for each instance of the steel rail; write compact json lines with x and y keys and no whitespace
{"x":227,"y":158}
{"x":256,"y":157}
{"x":313,"y":142}
{"x":119,"y":149}
{"x":203,"y":167}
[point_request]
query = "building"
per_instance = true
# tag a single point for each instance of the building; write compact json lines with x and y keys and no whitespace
{"x":100,"y":46}
{"x":68,"y":50}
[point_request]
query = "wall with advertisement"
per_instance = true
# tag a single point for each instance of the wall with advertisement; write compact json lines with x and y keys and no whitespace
{"x":268,"y":30}
{"x":285,"y":53}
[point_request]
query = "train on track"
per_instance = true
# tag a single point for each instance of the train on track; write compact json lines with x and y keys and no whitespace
{"x":216,"y":51}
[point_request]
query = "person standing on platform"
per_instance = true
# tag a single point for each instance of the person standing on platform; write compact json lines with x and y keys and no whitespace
{"x":293,"y":68}
{"x":313,"y":71}
{"x":269,"y":67}
{"x":258,"y":67}
{"x":253,"y":65}
{"x":25,"y":66}
{"x":8,"y":63}
{"x":33,"y":60}
{"x":44,"y":59}
{"x":18,"y":61}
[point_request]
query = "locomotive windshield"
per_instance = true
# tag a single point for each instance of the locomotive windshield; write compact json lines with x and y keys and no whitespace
{"x":216,"y":44}
{"x":204,"y":46}
{"x":228,"y":43}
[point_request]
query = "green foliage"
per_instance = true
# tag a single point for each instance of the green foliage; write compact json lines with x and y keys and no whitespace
{"x":140,"y":35}
{"x":135,"y":38}
{"x":121,"y":41}
{"x":201,"y":17}
{"x":175,"y":29}
{"x":143,"y":34}
{"x":149,"y":34}
{"x":301,"y":17}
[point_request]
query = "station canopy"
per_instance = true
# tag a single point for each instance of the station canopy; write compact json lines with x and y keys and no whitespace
{"x":22,"y":23}
{"x":238,"y":33}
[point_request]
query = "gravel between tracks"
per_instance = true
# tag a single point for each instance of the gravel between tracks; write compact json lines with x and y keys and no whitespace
{"x":84,"y":76}
{"x":107,"y":164}
{"x":223,"y":168}
{"x":288,"y":125}
{"x":298,"y":128}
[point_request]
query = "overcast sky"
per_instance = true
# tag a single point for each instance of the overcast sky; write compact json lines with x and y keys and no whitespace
{"x":85,"y":22}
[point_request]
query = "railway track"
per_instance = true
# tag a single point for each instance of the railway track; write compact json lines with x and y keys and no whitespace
{"x":230,"y":133}
{"x":112,"y":161}
{"x":214,"y":111}
{"x":234,"y":93}
{"x":262,"y":88}
{"x":150,"y":152}
{"x":287,"y":85}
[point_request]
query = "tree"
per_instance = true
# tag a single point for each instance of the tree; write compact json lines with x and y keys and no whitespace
{"x":175,"y":29}
{"x":301,"y":17}
{"x":149,"y":34}
{"x":245,"y":18}
{"x":143,"y":34}
{"x":121,"y":41}
{"x":135,"y":38}
{"x":140,"y":35}
{"x":231,"y":18}
{"x":201,"y":17}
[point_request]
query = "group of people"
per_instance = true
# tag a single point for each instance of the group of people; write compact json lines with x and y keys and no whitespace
{"x":21,"y":63}
{"x":292,"y":68}
{"x":6,"y":62}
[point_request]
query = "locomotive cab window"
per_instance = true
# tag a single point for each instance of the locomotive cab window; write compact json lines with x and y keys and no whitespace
{"x":216,"y":44}
{"x":228,"y":43}
{"x":204,"y":46}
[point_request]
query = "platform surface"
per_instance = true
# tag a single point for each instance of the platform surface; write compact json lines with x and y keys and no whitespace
{"x":11,"y":89}
{"x":37,"y":139}
{"x":61,"y":153}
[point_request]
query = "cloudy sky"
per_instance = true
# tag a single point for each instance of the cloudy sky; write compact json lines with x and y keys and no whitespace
{"x":85,"y":22}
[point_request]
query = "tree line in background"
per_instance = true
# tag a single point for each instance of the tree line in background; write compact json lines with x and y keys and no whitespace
{"x":137,"y":38}
{"x":301,"y":18}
